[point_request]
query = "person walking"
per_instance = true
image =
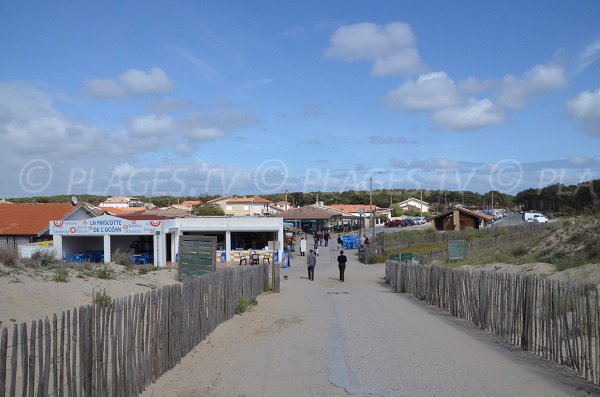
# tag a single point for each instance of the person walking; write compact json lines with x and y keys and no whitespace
{"x":340,"y":242}
{"x":327,"y":237}
{"x":316,"y":242}
{"x":311,"y":261}
{"x":342,"y":264}
{"x":303,"y":246}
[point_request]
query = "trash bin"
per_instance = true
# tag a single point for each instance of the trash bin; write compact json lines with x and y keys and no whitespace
{"x":222,"y":256}
{"x":276,"y":256}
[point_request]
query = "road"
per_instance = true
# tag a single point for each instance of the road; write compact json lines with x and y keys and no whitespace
{"x":327,"y":338}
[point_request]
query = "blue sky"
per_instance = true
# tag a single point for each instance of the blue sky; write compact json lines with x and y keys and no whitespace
{"x":182,"y":98}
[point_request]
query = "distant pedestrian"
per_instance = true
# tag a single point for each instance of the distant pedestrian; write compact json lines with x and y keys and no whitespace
{"x":316,"y":242}
{"x":311,"y":261}
{"x":340,"y":242}
{"x":342,"y":264}
{"x":327,"y":237}
{"x":321,"y":239}
{"x":303,"y":247}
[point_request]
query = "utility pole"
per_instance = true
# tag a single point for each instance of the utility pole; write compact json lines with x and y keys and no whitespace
{"x":371,"y":207}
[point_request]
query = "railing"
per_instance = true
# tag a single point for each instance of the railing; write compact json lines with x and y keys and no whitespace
{"x":119,"y":348}
{"x":555,"y":320}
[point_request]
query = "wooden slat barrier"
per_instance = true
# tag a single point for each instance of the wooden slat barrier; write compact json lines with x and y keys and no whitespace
{"x":121,"y":348}
{"x":555,"y":320}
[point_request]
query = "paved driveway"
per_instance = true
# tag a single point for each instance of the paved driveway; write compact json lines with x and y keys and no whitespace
{"x":326,"y":338}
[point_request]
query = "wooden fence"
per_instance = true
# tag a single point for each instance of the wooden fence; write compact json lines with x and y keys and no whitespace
{"x":495,"y":236}
{"x":555,"y":320}
{"x":120,"y":348}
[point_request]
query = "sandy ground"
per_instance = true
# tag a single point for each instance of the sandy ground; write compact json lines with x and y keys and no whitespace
{"x":29,"y":294}
{"x":327,"y":338}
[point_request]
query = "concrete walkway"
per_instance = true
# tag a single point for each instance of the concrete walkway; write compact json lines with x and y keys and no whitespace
{"x":327,"y":338}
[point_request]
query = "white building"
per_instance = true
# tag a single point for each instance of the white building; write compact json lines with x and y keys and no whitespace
{"x":121,"y":202}
{"x":159,"y":238}
{"x":414,"y":205}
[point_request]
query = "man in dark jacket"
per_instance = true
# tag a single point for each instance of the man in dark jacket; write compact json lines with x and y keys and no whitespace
{"x":311,"y":261}
{"x":342,"y":264}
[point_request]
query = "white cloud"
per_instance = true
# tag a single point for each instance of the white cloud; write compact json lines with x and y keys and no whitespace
{"x":586,"y":108}
{"x":588,"y":56}
{"x":132,"y":82}
{"x":429,"y":92}
{"x":578,"y":160}
{"x":515,"y":92}
{"x":151,"y":125}
{"x":391,"y":47}
{"x":476,"y":114}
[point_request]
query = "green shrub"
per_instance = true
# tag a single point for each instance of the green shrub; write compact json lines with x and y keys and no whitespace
{"x":105,"y":273}
{"x":519,"y":250}
{"x":60,"y":276}
{"x":123,"y":259}
{"x":101,"y":298}
{"x":44,"y":258}
{"x":245,"y":304}
{"x":9,"y":258}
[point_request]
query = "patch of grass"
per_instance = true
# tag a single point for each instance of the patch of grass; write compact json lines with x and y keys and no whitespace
{"x":60,"y":276}
{"x":9,"y":258}
{"x":269,"y":287}
{"x":146,"y":270}
{"x":44,"y":258}
{"x":245,"y":304}
{"x":101,"y":298}
{"x":519,"y":250}
{"x":105,"y":273}
{"x":123,"y":259}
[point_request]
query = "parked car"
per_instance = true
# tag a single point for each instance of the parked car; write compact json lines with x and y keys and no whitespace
{"x":393,"y":223}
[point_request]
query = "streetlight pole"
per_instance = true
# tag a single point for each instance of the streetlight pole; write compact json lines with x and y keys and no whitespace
{"x":371,"y":208}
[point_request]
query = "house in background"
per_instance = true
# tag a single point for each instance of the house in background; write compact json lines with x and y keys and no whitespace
{"x":413,"y":204}
{"x":121,"y":202}
{"x":379,"y":213}
{"x":316,"y":217}
{"x":244,"y":206}
{"x":459,"y":218}
{"x":187,"y":205}
{"x":24,"y":223}
{"x":282,"y":205}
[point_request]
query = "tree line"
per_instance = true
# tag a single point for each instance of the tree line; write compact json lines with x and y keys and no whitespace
{"x":553,"y":198}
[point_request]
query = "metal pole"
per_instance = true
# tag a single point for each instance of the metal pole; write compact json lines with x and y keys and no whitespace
{"x":371,"y":208}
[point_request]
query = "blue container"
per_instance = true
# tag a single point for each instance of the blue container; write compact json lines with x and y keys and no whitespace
{"x":222,"y":256}
{"x":276,"y":256}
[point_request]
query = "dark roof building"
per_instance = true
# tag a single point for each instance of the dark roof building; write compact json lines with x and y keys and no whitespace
{"x":459,"y":218}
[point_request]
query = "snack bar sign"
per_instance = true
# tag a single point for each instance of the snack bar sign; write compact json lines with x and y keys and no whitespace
{"x":104,"y":225}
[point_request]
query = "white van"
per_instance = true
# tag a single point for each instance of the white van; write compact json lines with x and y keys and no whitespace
{"x":534,"y":217}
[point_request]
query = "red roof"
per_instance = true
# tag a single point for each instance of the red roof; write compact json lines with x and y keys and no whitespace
{"x":116,"y":211}
{"x":353,"y":208}
{"x":144,"y":217}
{"x":26,"y":219}
{"x":255,"y":199}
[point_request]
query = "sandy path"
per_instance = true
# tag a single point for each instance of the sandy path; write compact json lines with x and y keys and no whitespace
{"x":326,"y":338}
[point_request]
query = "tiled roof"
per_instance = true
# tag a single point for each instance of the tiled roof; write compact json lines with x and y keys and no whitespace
{"x":170,"y":212}
{"x":144,"y":217}
{"x":413,"y":199}
{"x":32,"y":219}
{"x":255,"y":199}
{"x":466,"y":211}
{"x":117,"y":211}
{"x":353,"y":208}
{"x":309,"y":212}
